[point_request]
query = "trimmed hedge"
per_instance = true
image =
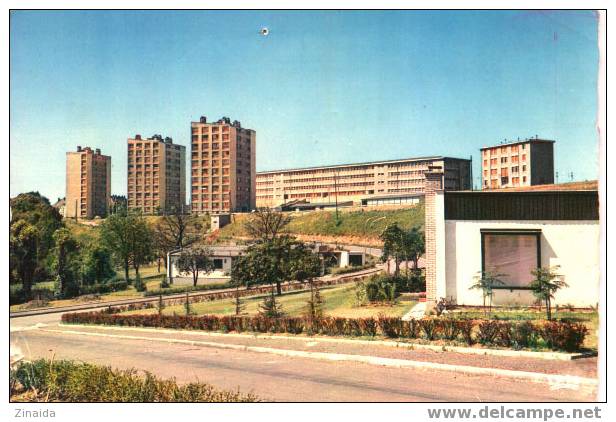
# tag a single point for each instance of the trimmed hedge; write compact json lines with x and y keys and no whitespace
{"x":68,"y":381}
{"x":557,"y":335}
{"x":351,"y":269}
{"x":177,"y":290}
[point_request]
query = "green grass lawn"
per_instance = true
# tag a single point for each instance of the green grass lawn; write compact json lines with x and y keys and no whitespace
{"x":338,"y":301}
{"x":590,"y":318}
{"x":130,"y":293}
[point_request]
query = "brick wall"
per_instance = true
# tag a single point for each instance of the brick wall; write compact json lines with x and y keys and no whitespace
{"x":434,"y":183}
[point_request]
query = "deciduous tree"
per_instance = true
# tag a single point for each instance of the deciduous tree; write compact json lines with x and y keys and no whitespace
{"x":23,"y":258}
{"x":66,"y":263}
{"x":194,"y":261}
{"x":266,"y":225}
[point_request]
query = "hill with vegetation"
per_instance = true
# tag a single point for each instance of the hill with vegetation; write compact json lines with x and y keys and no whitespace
{"x":361,"y":227}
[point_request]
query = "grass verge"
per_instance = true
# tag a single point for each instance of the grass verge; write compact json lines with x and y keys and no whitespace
{"x":68,"y":381}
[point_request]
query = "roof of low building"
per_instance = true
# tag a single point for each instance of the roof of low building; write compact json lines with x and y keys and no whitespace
{"x":570,"y":186}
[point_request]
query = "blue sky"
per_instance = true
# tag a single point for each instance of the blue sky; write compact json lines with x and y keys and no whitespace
{"x":321,"y":88}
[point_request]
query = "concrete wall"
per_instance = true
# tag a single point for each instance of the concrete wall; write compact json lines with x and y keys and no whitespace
{"x":574,"y":245}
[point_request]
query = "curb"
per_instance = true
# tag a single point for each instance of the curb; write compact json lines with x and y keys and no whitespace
{"x":389,"y":343}
{"x":563,"y":381}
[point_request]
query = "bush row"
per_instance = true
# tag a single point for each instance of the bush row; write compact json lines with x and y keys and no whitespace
{"x":184,"y":289}
{"x":109,"y":287}
{"x":556,"y":335}
{"x":350,"y":269}
{"x":68,"y":381}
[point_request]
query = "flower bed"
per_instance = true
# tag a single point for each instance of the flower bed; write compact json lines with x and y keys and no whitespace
{"x":555,"y":335}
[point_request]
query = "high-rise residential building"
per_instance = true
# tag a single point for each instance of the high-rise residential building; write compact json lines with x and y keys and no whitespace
{"x":156,"y":180}
{"x":222,"y":166}
{"x":388,"y":182}
{"x":88,"y":183}
{"x":521,"y":163}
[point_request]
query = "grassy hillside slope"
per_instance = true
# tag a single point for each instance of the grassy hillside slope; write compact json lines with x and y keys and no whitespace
{"x":361,"y":226}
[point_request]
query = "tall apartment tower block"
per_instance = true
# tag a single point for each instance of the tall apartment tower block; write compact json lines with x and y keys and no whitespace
{"x":223,"y":172}
{"x":156,"y":175}
{"x":515,"y":164}
{"x":88,"y":183}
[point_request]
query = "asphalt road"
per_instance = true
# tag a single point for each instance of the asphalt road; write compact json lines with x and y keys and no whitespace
{"x":277,"y":378}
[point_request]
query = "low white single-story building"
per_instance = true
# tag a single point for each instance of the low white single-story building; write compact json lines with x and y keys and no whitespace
{"x":511,"y":233}
{"x":223,"y":257}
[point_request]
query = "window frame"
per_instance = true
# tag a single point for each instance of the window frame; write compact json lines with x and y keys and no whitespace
{"x":509,"y":232}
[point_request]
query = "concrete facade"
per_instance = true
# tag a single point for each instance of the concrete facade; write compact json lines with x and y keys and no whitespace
{"x":516,"y":164}
{"x":88,"y":183}
{"x":564,"y":232}
{"x":156,"y":181}
{"x":390,"y":181}
{"x":223,"y":168}
{"x":572,"y":245}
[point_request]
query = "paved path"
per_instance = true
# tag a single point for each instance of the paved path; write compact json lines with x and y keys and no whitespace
{"x":274,"y":377}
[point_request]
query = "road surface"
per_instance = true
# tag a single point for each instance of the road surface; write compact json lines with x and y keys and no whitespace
{"x":273,"y":377}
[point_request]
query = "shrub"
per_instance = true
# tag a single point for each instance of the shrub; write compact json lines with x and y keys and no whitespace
{"x":350,"y":269}
{"x":410,"y":328}
{"x":522,"y":334}
{"x":488,"y":332}
{"x":429,"y":327}
{"x":390,"y":327}
{"x":466,"y":327}
{"x":450,"y":329}
{"x":68,"y":381}
{"x":139,"y":284}
{"x":183,"y":289}
{"x":558,"y":335}
{"x":563,"y":335}
{"x":381,"y":288}
{"x":112,"y":286}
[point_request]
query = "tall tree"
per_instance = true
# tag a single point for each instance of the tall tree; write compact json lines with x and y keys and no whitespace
{"x":129,"y":237}
{"x":140,"y":241}
{"x":275,"y":261}
{"x":65,"y":262}
{"x":116,"y":237}
{"x":97,"y":265}
{"x":393,"y":245}
{"x":23,"y":257}
{"x":194,"y":261}
{"x":35,"y":209}
{"x":173,"y":231}
{"x":266,"y":225}
{"x":414,"y":246}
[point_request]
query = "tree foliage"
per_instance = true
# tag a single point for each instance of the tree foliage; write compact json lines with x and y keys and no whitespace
{"x":401,"y":245}
{"x":545,"y":284}
{"x":275,"y":261}
{"x":96,"y":265}
{"x":129,"y":237}
{"x":194,"y":261}
{"x":266,"y":225}
{"x":36,"y":210}
{"x":23,"y":254}
{"x":486,"y":281}
{"x":175,"y":230}
{"x":66,"y":263}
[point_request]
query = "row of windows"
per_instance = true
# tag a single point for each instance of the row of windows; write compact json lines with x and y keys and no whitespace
{"x":503,"y":149}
